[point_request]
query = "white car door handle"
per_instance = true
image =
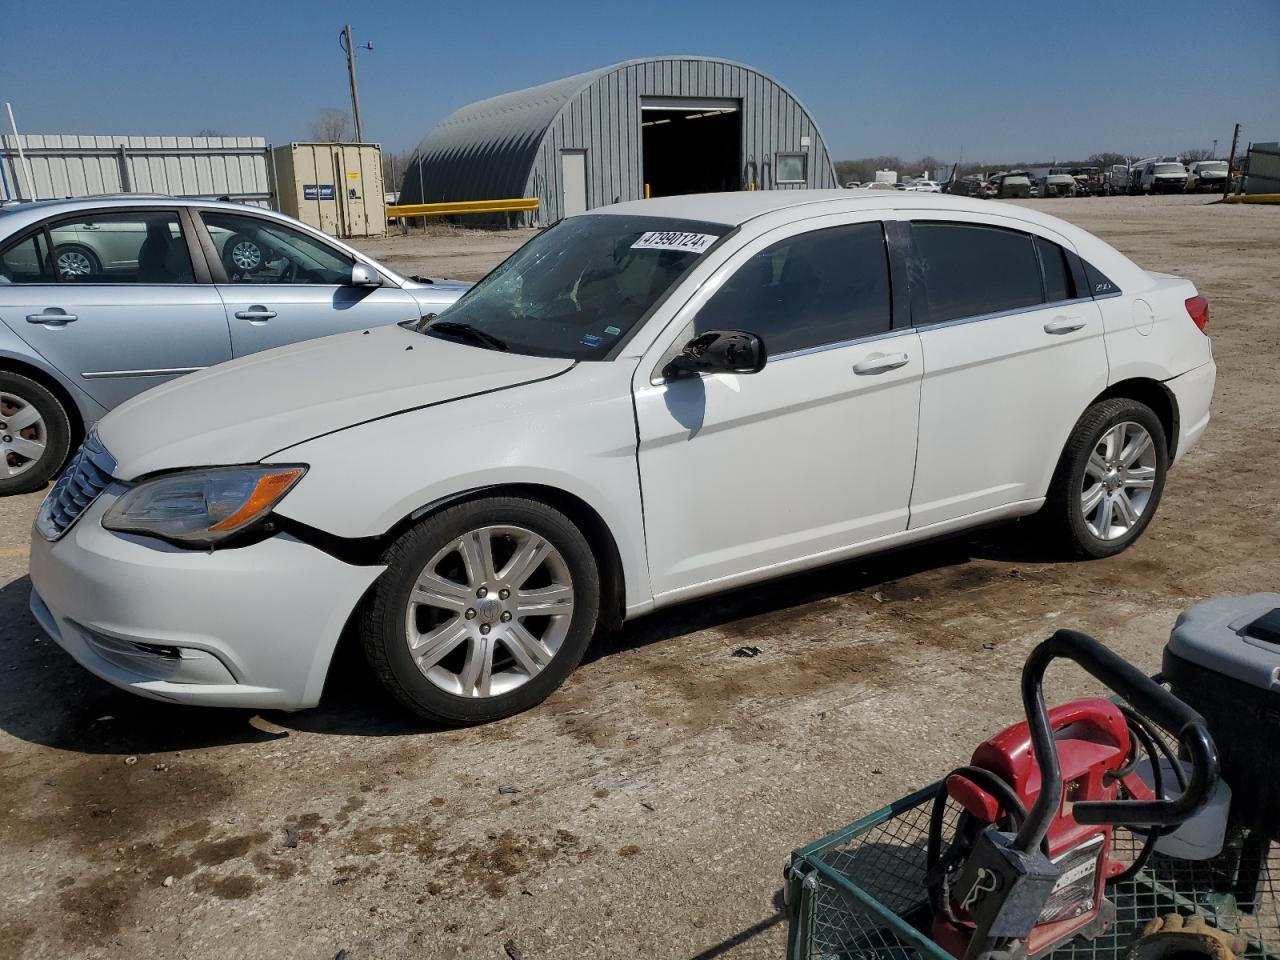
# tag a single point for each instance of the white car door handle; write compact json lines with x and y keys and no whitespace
{"x":51,"y":319}
{"x":1063,"y":325}
{"x":880,"y":363}
{"x":256,"y":313}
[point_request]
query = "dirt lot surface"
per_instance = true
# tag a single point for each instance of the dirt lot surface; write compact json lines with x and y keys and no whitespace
{"x":645,"y":810}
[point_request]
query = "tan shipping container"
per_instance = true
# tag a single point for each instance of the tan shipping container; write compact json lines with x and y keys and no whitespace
{"x":335,"y":187}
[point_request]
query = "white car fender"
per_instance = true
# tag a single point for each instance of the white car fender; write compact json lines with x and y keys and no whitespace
{"x":574,"y":433}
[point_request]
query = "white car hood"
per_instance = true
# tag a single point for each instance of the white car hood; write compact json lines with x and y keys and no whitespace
{"x":245,"y":410}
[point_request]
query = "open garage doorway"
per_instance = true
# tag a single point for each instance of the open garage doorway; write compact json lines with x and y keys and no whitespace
{"x":690,"y":145}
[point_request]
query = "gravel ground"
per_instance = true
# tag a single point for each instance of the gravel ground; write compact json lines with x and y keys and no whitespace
{"x":646,"y":809}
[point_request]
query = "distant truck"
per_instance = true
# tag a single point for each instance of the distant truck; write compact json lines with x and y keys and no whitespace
{"x":1208,"y":175}
{"x":1163,"y":176}
{"x":1115,"y":180}
{"x":886,"y":176}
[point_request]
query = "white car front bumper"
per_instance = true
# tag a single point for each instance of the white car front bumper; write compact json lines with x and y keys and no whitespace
{"x":252,"y":626}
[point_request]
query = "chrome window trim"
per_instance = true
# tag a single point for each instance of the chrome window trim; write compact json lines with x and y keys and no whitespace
{"x":162,"y":372}
{"x":959,"y":321}
{"x":841,"y":344}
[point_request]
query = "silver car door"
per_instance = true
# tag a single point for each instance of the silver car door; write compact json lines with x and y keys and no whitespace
{"x":281,"y":285}
{"x":124,"y":317}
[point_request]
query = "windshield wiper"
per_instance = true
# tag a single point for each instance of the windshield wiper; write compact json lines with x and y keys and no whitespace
{"x":466,"y":331}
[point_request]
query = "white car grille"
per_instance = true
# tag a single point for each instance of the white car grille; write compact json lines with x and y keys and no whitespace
{"x":84,"y":479}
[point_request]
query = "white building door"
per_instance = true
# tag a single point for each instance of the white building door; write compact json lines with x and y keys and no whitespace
{"x":573,"y":182}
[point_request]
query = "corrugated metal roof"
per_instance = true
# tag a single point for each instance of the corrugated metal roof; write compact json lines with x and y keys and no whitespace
{"x":486,"y":148}
{"x":490,"y":149}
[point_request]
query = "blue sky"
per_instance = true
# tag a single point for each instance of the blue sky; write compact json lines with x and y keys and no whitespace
{"x":1030,"y":80}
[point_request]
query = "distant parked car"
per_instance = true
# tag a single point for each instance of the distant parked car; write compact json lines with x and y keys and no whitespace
{"x":1208,"y":175}
{"x":102,"y":298}
{"x":924,"y":186}
{"x":1013,"y":185}
{"x":1058,"y":185}
{"x":1164,"y":177}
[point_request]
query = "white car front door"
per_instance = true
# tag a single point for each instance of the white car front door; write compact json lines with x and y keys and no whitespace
{"x":1013,"y":354}
{"x":746,"y":476}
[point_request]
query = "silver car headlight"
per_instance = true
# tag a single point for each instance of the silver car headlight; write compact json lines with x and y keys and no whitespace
{"x":202,"y":507}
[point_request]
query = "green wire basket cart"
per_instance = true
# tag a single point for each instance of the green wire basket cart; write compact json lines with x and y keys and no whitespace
{"x":859,"y":893}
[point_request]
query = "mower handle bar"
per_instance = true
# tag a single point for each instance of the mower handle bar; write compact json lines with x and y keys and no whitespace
{"x":1148,"y":698}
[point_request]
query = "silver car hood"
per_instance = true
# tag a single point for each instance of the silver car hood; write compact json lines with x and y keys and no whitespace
{"x":245,"y":410}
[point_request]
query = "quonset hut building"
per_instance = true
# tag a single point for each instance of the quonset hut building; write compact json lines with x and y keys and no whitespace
{"x":653,"y":127}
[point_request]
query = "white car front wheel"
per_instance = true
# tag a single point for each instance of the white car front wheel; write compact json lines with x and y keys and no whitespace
{"x":484,"y":610}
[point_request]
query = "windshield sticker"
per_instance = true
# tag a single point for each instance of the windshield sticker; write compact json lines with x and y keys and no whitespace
{"x":591,"y":340}
{"x":612,"y":331}
{"x":675,"y":240}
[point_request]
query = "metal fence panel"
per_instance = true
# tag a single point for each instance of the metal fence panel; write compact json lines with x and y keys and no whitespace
{"x":65,"y":165}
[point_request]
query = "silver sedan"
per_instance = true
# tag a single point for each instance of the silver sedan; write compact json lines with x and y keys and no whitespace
{"x":102,"y":298}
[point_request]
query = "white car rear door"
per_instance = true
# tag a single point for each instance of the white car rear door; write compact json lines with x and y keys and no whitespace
{"x":1013,"y":354}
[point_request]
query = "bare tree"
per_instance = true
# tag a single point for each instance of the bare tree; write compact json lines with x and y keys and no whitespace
{"x":1192,"y":154}
{"x":331,"y":126}
{"x":210,"y":132}
{"x":394,"y":166}
{"x":1108,"y":158}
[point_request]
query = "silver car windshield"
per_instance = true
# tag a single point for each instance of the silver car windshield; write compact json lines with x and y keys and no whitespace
{"x":578,"y":289}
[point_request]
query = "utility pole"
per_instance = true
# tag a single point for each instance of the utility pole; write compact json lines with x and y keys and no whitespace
{"x":344,"y":41}
{"x":1231,"y":159}
{"x":1215,"y":149}
{"x":22,"y":159}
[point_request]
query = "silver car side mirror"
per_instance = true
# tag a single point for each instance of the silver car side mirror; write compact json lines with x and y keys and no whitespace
{"x":363,"y":275}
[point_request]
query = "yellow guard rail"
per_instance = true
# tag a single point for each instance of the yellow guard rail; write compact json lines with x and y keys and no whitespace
{"x":512,"y":205}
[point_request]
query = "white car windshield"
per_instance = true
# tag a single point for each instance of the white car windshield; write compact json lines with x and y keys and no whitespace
{"x":1169,"y":168}
{"x":578,"y":289}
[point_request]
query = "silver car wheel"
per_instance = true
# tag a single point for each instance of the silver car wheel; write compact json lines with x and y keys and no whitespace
{"x":73,"y":264}
{"x":246,"y":255}
{"x":1118,"y":480}
{"x":23,"y":435}
{"x":489,"y":611}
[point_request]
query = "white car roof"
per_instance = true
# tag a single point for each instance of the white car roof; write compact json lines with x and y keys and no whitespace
{"x":737,"y":208}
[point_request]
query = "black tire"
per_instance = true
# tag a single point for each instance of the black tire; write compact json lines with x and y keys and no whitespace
{"x":1063,"y":511}
{"x":383,"y":620}
{"x":56,"y":433}
{"x":79,"y":250}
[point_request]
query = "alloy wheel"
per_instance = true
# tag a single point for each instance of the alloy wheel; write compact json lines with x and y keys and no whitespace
{"x":74,"y":264}
{"x":246,"y":255}
{"x":489,"y":611}
{"x":23,"y":435}
{"x":1118,"y":480}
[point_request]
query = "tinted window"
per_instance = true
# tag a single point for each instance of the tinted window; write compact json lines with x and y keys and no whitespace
{"x":578,"y":289}
{"x":971,"y":270}
{"x":142,"y":247}
{"x":1057,"y":273}
{"x":26,"y":261}
{"x":812,"y":289}
{"x":256,"y":250}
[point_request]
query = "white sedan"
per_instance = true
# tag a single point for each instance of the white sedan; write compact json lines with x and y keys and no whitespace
{"x":645,"y":404}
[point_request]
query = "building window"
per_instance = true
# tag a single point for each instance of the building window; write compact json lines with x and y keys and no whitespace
{"x":791,"y":168}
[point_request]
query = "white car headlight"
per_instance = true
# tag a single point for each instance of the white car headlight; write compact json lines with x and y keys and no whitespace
{"x":202,"y":507}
